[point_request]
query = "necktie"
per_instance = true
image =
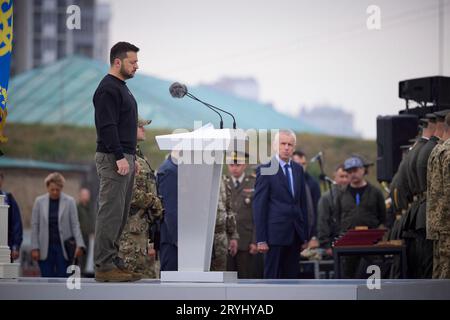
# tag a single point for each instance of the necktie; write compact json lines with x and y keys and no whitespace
{"x":237,"y":184}
{"x":288,"y":177}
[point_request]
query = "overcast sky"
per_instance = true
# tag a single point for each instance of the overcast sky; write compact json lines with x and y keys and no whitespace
{"x":301,"y":52}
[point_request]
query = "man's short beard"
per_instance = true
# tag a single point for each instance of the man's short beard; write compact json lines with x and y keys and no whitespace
{"x":124,"y":74}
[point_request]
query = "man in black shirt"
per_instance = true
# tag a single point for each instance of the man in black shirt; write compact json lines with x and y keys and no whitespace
{"x":359,"y":204}
{"x":116,"y":124}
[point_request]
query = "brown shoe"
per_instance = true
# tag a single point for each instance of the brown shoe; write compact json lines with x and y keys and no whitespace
{"x":114,"y":275}
{"x":134,"y":275}
{"x":137,"y":276}
{"x":120,"y":264}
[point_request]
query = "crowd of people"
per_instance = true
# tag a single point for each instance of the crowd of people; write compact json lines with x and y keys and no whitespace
{"x":264,"y":222}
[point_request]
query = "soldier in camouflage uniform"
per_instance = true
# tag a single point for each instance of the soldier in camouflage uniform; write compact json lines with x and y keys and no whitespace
{"x":225,"y":232}
{"x":145,"y":209}
{"x":438,"y":204}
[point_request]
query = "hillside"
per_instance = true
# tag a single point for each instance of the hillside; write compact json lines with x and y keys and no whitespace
{"x":72,"y":144}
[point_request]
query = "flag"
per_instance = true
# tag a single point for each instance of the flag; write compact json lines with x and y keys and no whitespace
{"x":6,"y":37}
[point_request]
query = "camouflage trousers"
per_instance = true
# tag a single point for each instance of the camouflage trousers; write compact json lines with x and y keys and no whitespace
{"x":133,"y":247}
{"x":220,"y":252}
{"x":441,"y":257}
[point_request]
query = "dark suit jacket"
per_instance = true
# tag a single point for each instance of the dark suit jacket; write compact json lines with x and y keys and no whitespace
{"x":277,"y":214}
{"x":167,"y":182}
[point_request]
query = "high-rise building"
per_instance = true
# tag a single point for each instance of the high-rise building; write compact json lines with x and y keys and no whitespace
{"x":41,"y":35}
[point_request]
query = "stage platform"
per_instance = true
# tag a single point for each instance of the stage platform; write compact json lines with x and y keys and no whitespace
{"x":56,"y":289}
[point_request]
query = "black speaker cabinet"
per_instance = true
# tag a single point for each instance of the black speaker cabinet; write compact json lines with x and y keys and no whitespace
{"x":434,"y":90}
{"x":393,"y":132}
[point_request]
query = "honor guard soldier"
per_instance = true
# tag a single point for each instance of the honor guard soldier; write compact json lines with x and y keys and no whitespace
{"x":424,"y":252}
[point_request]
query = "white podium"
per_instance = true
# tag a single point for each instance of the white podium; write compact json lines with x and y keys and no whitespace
{"x":7,"y":269}
{"x":199,"y":173}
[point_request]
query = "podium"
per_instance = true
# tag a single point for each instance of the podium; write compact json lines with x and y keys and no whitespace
{"x":7,"y":269}
{"x":199,"y":175}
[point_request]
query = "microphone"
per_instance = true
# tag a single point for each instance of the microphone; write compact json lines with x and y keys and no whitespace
{"x":316,"y":157}
{"x":178,"y":90}
{"x":325,"y":178}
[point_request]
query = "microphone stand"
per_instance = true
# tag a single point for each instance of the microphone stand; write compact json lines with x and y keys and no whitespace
{"x":335,"y":217}
{"x":207,"y":105}
{"x":324,"y":177}
{"x":190,"y":95}
{"x":214,"y":108}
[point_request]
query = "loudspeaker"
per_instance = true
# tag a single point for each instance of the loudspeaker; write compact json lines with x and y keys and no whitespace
{"x":393,"y":132}
{"x":434,"y":90}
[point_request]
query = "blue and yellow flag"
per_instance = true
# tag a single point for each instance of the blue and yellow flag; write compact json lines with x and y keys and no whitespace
{"x":6,"y":37}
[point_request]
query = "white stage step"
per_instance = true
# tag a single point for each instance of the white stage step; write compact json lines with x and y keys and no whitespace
{"x":56,"y":288}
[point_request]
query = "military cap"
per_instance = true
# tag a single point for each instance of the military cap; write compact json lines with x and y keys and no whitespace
{"x":440,"y":115}
{"x":142,"y":122}
{"x":405,"y":147}
{"x":431,"y":117}
{"x":353,"y":162}
{"x":423,"y":123}
{"x":237,"y":157}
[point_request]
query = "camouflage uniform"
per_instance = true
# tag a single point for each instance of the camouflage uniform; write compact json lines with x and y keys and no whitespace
{"x":434,"y":185}
{"x":224,"y":231}
{"x":438,"y":209}
{"x":146,"y":208}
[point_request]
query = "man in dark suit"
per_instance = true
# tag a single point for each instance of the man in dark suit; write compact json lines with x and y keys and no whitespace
{"x":279,"y":210}
{"x":167,"y":178}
